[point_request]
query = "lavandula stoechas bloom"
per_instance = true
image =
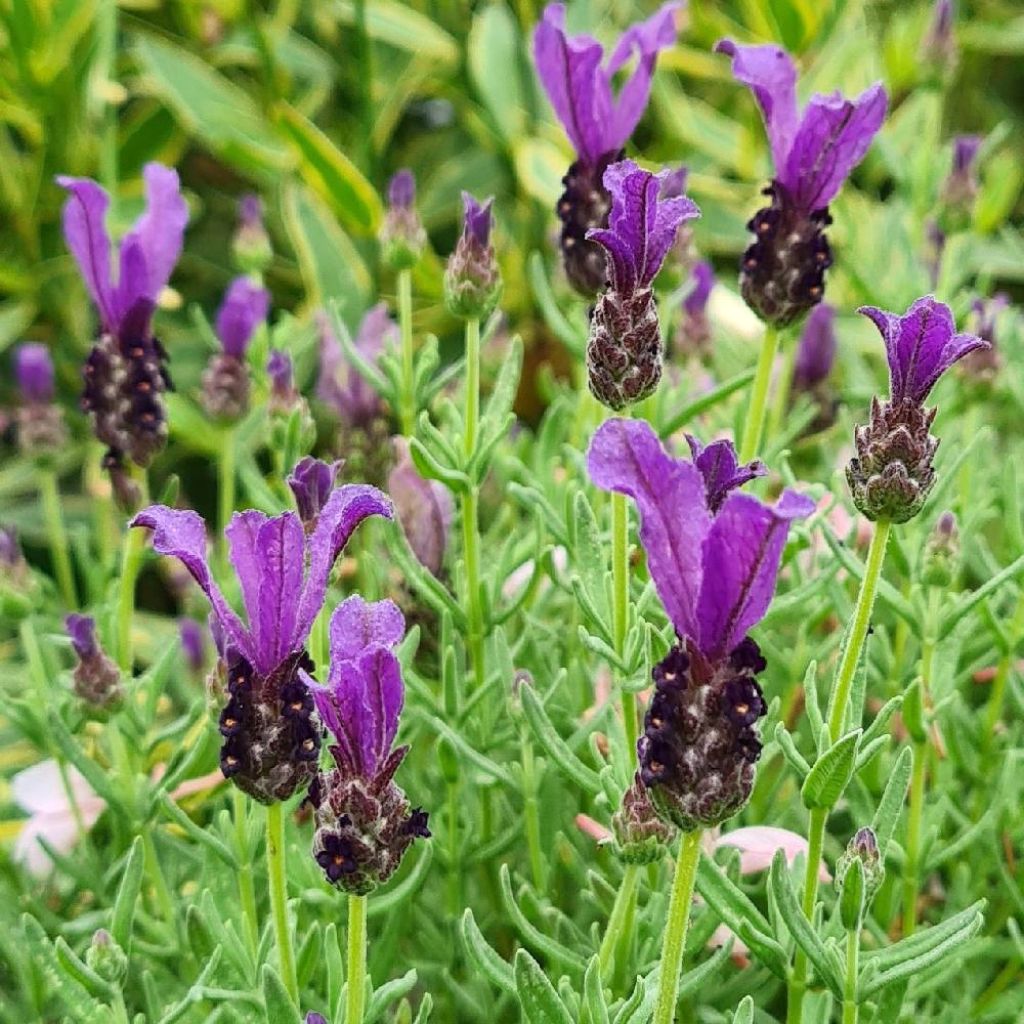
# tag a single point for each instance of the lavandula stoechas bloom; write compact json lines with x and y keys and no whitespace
{"x":402,"y":237}
{"x":225,"y":392}
{"x":597,"y":122}
{"x":364,"y":823}
{"x":125,"y":373}
{"x":97,"y":679}
{"x":693,"y":336}
{"x":624,"y":348}
{"x":782,"y":274}
{"x":892,"y":473}
{"x":251,"y":244}
{"x":472,"y":278}
{"x":713,"y":555}
{"x":41,"y":430}
{"x":271,"y":735}
{"x":424,"y":509}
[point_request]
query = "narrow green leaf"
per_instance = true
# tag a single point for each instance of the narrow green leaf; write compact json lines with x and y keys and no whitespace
{"x":537,"y":996}
{"x":493,"y":967}
{"x":79,"y":971}
{"x":530,"y":933}
{"x":277,"y":1002}
{"x":831,"y":772}
{"x":744,"y":1012}
{"x":127,"y":897}
{"x":593,"y":994}
{"x":556,"y":748}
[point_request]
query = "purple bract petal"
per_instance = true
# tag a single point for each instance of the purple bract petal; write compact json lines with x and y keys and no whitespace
{"x":280,"y":554}
{"x":33,"y":370}
{"x":244,"y":308}
{"x":673,"y":184}
{"x":161,"y":228}
{"x":86,"y":235}
{"x":965,"y":152}
{"x":358,"y":624}
{"x":703,"y":276}
{"x":580,"y":90}
{"x":402,"y":190}
{"x":82,"y":631}
{"x":250,"y":211}
{"x":817,"y":349}
{"x":719,"y":465}
{"x":641,"y":228}
{"x":311,"y":483}
{"x":279,"y":369}
{"x":340,"y":384}
{"x":476,"y":223}
{"x":920,"y":346}
{"x":740,"y":562}
{"x":192,"y":645}
{"x":626,"y":456}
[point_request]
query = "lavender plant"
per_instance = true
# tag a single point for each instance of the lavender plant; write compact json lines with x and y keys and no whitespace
{"x":417,"y":722}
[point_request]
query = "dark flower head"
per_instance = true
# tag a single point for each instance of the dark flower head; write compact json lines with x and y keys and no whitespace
{"x":402,"y":236}
{"x":892,"y":472}
{"x":146,"y":256}
{"x":244,"y":308}
{"x":472,"y":279}
{"x":424,"y":509}
{"x":920,"y":346}
{"x":719,"y":465}
{"x":817,"y":349}
{"x":641,"y":227}
{"x":270,"y":737}
{"x":714,"y":570}
{"x":340,"y":385}
{"x":311,"y":483}
{"x":364,"y":822}
{"x":33,"y":370}
{"x":96,"y":677}
{"x":814,"y":152}
{"x":581,"y":91}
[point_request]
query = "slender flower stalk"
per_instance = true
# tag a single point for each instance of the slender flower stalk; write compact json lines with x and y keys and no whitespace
{"x":355,"y":998}
{"x":677,"y":926}
{"x":408,"y":396}
{"x":278,"y":885}
{"x":617,"y":931}
{"x":753,"y":427}
{"x":470,"y":504}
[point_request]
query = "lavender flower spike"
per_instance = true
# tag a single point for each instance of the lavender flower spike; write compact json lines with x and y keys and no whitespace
{"x":271,"y":739}
{"x":225,"y":392}
{"x":41,"y":430}
{"x":472,"y":279}
{"x":624,"y":350}
{"x":125,"y":373}
{"x":597,"y":122}
{"x":402,"y":237}
{"x":782,"y":273}
{"x":363,"y":821}
{"x":892,"y":472}
{"x":714,"y":567}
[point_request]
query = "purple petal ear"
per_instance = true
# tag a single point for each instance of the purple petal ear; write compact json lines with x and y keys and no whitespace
{"x":244,"y":308}
{"x":346,"y":508}
{"x":280,"y":553}
{"x":161,"y":228}
{"x":626,"y":456}
{"x":770,"y":74}
{"x":833,"y":136}
{"x":86,"y":235}
{"x":741,"y":557}
{"x":182,"y":534}
{"x":720,"y":467}
{"x":358,"y":624}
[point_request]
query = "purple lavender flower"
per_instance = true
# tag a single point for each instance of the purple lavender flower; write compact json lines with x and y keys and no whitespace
{"x":315,"y":1018}
{"x":939,"y":46}
{"x":402,"y":237}
{"x":41,"y":430}
{"x":363,"y":821}
{"x":283,"y":395}
{"x":472,"y":279}
{"x":961,"y":186}
{"x":624,"y":349}
{"x":982,"y":365}
{"x":340,"y":385}
{"x":192,"y":644}
{"x":424,"y":509}
{"x":597,"y":121}
{"x":271,"y":737}
{"x":311,"y":483}
{"x":225,"y":392}
{"x":97,"y":679}
{"x":251,"y":244}
{"x":783,"y":273}
{"x":817,"y":349}
{"x":125,"y":373}
{"x":694,"y":333}
{"x":715,"y":571}
{"x":892,"y":472}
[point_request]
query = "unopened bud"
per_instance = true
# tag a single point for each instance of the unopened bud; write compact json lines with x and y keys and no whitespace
{"x":472,"y":280}
{"x":402,"y":237}
{"x":941,"y":552}
{"x":251,"y":244}
{"x":862,"y":848}
{"x":107,"y":958}
{"x":640,"y":833}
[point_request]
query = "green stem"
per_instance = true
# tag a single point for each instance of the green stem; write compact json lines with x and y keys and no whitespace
{"x":49,"y":492}
{"x":850,"y":1007}
{"x":620,"y":613}
{"x":279,"y":898}
{"x":783,"y":387}
{"x":246,"y":888}
{"x":615,"y":933}
{"x":356,"y":992}
{"x":226,"y":489}
{"x":837,"y":715}
{"x":133,"y":549}
{"x":470,"y":506}
{"x":407,"y":399}
{"x":674,"y":943}
{"x":754,"y":426}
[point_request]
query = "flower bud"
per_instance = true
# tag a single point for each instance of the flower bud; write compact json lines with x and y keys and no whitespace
{"x":107,"y":958}
{"x":862,"y":849}
{"x":641,"y":836}
{"x":472,"y":279}
{"x":41,"y":430}
{"x":97,"y":679}
{"x":251,"y":245}
{"x":311,"y":483}
{"x":693,"y":336}
{"x":402,"y":237}
{"x":192,"y":646}
{"x":424,"y":508}
{"x":941,"y":552}
{"x":17,"y":584}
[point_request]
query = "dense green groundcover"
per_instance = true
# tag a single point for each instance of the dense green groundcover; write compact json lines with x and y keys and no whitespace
{"x":156,"y":899}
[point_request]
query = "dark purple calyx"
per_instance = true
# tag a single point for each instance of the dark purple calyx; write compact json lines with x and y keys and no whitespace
{"x":582,"y":207}
{"x":700,"y":739}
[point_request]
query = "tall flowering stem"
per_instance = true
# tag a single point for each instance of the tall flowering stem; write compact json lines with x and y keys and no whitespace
{"x":620,"y":611}
{"x":132,"y":553}
{"x":753,"y":428}
{"x":355,"y":998}
{"x":470,"y":506}
{"x":620,"y":920}
{"x":678,"y":923}
{"x":277,"y":881}
{"x":408,"y":398}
